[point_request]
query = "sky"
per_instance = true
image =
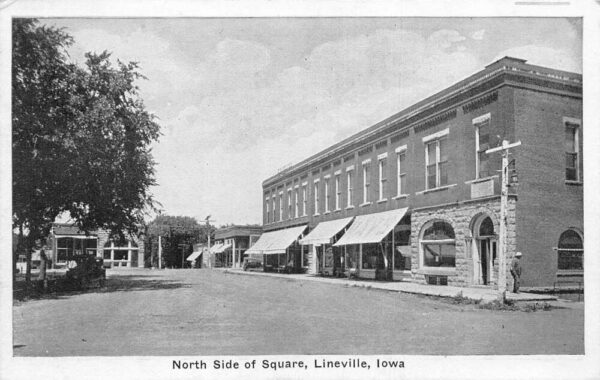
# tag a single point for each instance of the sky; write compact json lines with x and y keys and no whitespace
{"x":239,"y":98}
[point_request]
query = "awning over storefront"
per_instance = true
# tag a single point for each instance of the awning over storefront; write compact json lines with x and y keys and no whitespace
{"x":371,"y":228}
{"x":193,"y":256}
{"x":276,"y":241}
{"x":215,"y":247}
{"x":325,"y":231}
{"x":222,"y":248}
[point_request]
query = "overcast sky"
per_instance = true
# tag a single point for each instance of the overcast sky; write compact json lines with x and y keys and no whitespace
{"x":239,"y":98}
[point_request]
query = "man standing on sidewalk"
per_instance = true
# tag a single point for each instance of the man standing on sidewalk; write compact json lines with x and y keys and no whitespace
{"x":515,"y":271}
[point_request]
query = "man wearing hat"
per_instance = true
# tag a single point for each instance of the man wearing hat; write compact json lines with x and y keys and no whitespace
{"x":515,"y":271}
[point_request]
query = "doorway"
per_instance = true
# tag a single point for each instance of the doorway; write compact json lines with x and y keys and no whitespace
{"x":486,"y":247}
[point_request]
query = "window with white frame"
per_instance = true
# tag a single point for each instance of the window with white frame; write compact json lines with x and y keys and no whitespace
{"x":316,"y":196}
{"x":327,"y":195}
{"x":482,"y":143}
{"x":438,"y":245}
{"x":366,"y":169}
{"x":273,"y":209}
{"x":401,"y":171}
{"x":572,"y":127}
{"x":436,"y":159}
{"x":338,"y":192}
{"x":382,"y":164}
{"x":281,"y":205}
{"x":304,"y":200}
{"x":350,"y":185}
{"x":297,"y":202}
{"x":289,"y":203}
{"x":267,"y":202}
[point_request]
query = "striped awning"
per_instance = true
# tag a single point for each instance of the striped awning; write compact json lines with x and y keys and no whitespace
{"x":371,"y":228}
{"x":325,"y":231}
{"x":276,"y":242}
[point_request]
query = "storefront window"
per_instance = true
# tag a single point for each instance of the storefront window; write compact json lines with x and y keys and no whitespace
{"x":438,"y":245}
{"x":372,"y":257}
{"x":570,"y":251}
{"x":352,"y":256}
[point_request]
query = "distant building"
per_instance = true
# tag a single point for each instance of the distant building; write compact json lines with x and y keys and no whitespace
{"x":231,"y":244}
{"x":66,"y":240}
{"x":415,"y":197}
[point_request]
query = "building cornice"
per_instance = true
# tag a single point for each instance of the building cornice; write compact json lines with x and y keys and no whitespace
{"x":504,"y":72}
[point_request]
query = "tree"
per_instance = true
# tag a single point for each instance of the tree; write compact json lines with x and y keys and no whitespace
{"x":81,"y":138}
{"x":180,"y":233}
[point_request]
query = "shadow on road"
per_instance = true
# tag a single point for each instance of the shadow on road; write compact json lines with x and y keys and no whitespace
{"x":121,"y":283}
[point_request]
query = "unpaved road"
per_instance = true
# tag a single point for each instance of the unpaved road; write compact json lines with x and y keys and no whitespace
{"x":204,"y":312}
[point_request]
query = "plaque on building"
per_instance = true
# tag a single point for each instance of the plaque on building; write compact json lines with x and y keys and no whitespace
{"x":482,"y":188}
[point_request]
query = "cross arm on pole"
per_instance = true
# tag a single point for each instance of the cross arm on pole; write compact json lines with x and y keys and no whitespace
{"x":505,"y":145}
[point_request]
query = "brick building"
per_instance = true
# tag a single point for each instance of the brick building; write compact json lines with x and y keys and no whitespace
{"x":66,"y":240}
{"x":415,"y":197}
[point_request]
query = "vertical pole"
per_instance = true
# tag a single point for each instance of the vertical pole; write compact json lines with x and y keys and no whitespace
{"x":208,"y":234}
{"x":503,"y":204}
{"x":159,"y":252}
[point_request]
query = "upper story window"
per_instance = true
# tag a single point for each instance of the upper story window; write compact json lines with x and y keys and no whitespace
{"x":316,"y":196}
{"x":289,"y":203}
{"x":382,"y":164}
{"x":327,"y":194}
{"x":281,"y":205}
{"x":572,"y":131}
{"x":401,"y":170}
{"x":366,"y":171}
{"x":273,"y":208}
{"x":304,"y":199}
{"x":338,"y":191}
{"x":350,"y":185}
{"x":436,"y":159}
{"x":482,"y":143}
{"x":297,"y":202}
{"x":268,"y":210}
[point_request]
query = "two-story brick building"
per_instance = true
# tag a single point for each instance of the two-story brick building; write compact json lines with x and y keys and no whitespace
{"x":416,"y":196}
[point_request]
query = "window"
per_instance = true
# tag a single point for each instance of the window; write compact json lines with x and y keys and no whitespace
{"x":372,"y":256}
{"x":297,"y":203}
{"x":349,"y":180}
{"x":570,"y":251}
{"x":289,"y":203}
{"x":304,"y":200}
{"x":327,"y":195}
{"x":402,"y":251}
{"x":352,"y":254}
{"x":382,"y":163}
{"x":316,"y":197}
{"x":436,"y":161}
{"x":273,"y":208}
{"x":572,"y":150}
{"x":281,"y":205}
{"x":438,"y":245}
{"x":268,"y":210}
{"x":482,"y":143}
{"x":120,"y":254}
{"x":401,"y":172}
{"x":366,"y":181}
{"x":338,"y":192}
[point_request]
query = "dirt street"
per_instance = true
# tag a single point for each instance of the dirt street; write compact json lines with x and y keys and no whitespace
{"x":209,"y":312}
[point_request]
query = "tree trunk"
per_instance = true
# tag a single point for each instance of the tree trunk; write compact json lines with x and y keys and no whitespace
{"x":28,"y":263}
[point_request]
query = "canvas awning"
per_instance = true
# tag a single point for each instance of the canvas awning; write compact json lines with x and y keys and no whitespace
{"x":325,"y":231}
{"x":194,"y":256}
{"x":222,"y":248}
{"x":371,"y":228}
{"x":215,"y":247}
{"x":275,"y":242}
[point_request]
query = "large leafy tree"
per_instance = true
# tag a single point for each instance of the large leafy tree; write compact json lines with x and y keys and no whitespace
{"x":81,"y":138}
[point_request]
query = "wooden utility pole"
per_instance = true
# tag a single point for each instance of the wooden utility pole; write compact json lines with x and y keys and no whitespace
{"x":503,"y":207}
{"x":208,"y":220}
{"x":159,"y":251}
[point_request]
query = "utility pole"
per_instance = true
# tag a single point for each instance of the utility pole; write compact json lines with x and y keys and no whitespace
{"x":503,"y":214}
{"x":159,"y":251}
{"x":208,"y":220}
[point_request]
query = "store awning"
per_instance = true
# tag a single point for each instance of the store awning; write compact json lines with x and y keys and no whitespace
{"x":276,"y":242}
{"x":193,"y":256}
{"x":222,"y":248}
{"x":371,"y":228}
{"x":325,"y":231}
{"x":215,"y":247}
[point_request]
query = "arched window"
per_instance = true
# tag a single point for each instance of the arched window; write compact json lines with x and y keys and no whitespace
{"x":570,"y":251}
{"x":438,"y":245}
{"x":487,"y":227}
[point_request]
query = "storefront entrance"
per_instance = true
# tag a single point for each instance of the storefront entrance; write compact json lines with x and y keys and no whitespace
{"x":485,"y":248}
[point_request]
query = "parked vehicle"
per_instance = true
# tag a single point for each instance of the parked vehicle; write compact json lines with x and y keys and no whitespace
{"x":252,"y":263}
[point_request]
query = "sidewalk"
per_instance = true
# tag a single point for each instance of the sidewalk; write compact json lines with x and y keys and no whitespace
{"x":484,"y":294}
